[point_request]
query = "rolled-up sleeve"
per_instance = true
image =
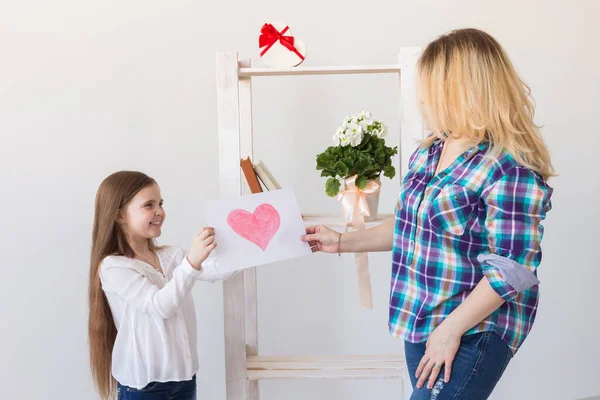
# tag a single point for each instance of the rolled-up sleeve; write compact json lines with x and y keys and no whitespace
{"x":516,"y":204}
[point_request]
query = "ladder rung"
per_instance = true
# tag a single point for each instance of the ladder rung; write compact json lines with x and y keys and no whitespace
{"x":352,"y":69}
{"x":330,"y":367}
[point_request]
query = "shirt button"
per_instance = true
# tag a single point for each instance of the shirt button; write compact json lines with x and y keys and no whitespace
{"x":185,"y":337}
{"x":188,"y":356}
{"x":412,"y":243}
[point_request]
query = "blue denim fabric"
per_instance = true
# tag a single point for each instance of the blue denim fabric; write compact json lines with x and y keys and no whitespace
{"x":185,"y":390}
{"x":479,"y":363}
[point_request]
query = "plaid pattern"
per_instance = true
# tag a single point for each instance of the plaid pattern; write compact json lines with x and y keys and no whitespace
{"x":479,"y":205}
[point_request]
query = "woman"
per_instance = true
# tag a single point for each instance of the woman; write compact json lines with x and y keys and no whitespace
{"x":466,"y":237}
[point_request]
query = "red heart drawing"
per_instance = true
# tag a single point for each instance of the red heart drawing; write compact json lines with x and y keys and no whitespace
{"x":259,"y":227}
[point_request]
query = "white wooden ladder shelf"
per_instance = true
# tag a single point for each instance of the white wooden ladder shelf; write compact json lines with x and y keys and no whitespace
{"x":244,"y":366}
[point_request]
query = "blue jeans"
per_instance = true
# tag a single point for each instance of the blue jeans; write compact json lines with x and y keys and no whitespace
{"x":479,"y":363}
{"x":184,"y":390}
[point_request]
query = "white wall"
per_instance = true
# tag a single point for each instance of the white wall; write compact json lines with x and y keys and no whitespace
{"x":88,"y":88}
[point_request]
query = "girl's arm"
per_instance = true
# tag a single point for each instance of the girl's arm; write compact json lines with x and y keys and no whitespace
{"x":210,"y":271}
{"x":119,"y":276}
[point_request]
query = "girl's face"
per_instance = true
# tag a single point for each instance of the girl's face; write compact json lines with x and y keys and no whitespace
{"x":143,"y":216}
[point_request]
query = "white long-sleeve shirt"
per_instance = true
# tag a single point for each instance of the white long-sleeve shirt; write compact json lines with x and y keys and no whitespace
{"x":154,"y":316}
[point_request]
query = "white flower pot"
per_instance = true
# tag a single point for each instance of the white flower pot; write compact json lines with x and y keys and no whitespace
{"x":373,"y":201}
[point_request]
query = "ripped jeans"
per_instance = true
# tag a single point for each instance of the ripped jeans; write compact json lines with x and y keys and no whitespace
{"x":479,"y":363}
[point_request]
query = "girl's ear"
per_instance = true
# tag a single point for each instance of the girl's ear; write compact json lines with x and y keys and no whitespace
{"x":120,"y":217}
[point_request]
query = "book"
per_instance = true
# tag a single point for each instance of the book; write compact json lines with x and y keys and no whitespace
{"x":266,"y":177}
{"x":250,"y":175}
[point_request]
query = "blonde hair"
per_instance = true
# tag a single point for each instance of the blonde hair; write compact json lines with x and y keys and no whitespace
{"x":108,"y":238}
{"x":469,"y":88}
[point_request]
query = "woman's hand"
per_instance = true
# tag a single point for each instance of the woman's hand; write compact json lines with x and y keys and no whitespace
{"x":445,"y":339}
{"x":440,"y":351}
{"x":202,"y":244}
{"x":321,"y":238}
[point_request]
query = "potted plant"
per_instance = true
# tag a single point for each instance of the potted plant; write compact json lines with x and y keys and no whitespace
{"x":359,"y":157}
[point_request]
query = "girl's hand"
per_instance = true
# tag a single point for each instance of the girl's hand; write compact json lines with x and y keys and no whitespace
{"x":202,"y":244}
{"x":321,"y":238}
{"x":440,"y":351}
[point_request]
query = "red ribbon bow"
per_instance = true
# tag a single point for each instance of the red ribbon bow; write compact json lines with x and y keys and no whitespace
{"x":269,"y":35}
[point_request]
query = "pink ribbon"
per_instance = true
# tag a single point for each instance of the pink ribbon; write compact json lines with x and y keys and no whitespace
{"x":356,"y":207}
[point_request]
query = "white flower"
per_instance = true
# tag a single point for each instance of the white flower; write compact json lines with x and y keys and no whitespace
{"x":365,"y":114}
{"x":365,"y":123}
{"x":353,"y":128}
{"x":354,"y":133}
{"x":338,"y":136}
{"x":384,"y":130}
{"x":341,"y":138}
{"x":356,"y":140}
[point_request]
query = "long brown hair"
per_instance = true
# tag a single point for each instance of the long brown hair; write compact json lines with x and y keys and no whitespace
{"x":108,"y":238}
{"x":469,"y":87}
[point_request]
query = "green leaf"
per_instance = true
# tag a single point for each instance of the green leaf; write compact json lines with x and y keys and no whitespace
{"x":341,"y":168}
{"x":332,"y":187}
{"x":361,"y":182}
{"x":389,"y":171}
{"x":380,"y":155}
{"x":368,"y":160}
{"x":323,"y":160}
{"x":327,"y":172}
{"x":367,"y":148}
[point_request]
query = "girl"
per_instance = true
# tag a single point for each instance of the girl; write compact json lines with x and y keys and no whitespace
{"x":466,"y":238}
{"x":142,"y":322}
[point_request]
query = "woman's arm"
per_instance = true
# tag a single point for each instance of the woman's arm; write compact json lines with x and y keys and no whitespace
{"x":379,"y":238}
{"x":482,"y":301}
{"x":444,"y":341}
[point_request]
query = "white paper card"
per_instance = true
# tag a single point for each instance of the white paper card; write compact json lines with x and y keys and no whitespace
{"x":256,"y":229}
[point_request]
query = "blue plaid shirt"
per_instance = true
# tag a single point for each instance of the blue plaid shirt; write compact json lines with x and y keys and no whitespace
{"x":481,"y":217}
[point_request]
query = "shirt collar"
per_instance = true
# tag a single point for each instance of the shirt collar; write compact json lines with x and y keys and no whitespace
{"x":469,"y":153}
